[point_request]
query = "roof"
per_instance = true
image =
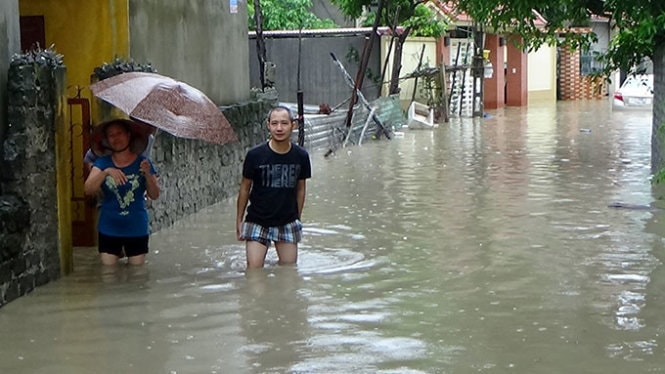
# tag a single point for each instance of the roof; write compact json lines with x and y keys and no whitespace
{"x":600,"y":18}
{"x":324,"y":32}
{"x":448,"y":9}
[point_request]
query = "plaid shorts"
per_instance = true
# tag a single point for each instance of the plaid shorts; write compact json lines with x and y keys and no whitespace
{"x":289,"y":233}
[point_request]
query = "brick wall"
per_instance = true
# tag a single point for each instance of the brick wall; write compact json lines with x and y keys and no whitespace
{"x":572,"y":85}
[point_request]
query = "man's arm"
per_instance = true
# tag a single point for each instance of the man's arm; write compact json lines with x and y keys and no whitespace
{"x":243,"y":199}
{"x":300,"y":195}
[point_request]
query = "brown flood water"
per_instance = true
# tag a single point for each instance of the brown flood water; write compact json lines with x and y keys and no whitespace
{"x":483,"y":246}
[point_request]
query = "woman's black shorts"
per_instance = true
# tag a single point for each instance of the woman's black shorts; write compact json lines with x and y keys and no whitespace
{"x":114,"y":245}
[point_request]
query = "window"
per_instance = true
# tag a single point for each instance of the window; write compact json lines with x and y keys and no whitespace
{"x":590,"y":63}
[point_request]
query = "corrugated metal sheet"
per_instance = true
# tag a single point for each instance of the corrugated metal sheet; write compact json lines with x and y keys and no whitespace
{"x":328,"y":132}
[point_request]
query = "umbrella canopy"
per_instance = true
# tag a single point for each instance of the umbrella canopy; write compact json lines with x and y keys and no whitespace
{"x":167,"y":104}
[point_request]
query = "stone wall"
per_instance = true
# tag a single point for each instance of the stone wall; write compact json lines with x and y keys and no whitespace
{"x":202,"y":43}
{"x":29,"y":238}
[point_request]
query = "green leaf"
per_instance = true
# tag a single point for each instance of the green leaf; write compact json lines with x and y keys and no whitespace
{"x":287,"y":15}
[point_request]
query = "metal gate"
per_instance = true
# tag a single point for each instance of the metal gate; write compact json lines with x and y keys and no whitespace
{"x":83,"y":208}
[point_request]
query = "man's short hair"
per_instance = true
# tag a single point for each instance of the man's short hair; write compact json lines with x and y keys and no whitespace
{"x":281,"y":107}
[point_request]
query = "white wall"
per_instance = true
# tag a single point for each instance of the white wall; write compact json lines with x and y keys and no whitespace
{"x":410,"y":57}
{"x":541,"y":76}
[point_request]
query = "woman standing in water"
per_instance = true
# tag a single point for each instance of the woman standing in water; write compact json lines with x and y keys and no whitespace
{"x":123,"y":176}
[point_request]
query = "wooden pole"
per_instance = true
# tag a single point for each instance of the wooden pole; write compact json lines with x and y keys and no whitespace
{"x":477,"y":71}
{"x":385,"y":64}
{"x":349,"y":81}
{"x":260,"y":44}
{"x":301,"y":110}
{"x":390,"y":49}
{"x":452,"y":85}
{"x":415,"y":80}
{"x":466,"y":54}
{"x":444,"y":92}
{"x":367,"y":50}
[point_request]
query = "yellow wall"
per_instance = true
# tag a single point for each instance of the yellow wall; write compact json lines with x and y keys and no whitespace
{"x":87,"y":34}
{"x":63,"y":174}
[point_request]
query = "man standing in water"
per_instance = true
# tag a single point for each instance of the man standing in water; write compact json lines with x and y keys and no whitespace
{"x":273,"y":183}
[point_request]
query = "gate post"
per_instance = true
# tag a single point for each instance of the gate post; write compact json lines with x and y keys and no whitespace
{"x":34,"y":152}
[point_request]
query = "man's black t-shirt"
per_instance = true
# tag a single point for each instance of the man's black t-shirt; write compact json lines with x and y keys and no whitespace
{"x":275,"y":176}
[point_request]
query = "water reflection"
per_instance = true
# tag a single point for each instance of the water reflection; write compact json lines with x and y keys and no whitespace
{"x":482,"y":246}
{"x":124,"y":274}
{"x":274,"y":321}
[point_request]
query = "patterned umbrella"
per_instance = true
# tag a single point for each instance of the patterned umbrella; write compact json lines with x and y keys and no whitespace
{"x":167,"y":104}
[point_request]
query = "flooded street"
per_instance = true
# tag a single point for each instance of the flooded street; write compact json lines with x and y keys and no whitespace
{"x":484,"y":246}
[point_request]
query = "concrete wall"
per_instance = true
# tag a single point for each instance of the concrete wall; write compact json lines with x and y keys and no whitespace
{"x":320,"y":79}
{"x":197,"y":41}
{"x":9,"y":34}
{"x":602,"y":31}
{"x":324,"y":9}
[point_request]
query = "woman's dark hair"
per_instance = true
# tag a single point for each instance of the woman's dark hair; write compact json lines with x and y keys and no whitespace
{"x":123,"y":124}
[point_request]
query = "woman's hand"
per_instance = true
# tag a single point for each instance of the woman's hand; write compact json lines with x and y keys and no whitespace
{"x":145,"y":167}
{"x":118,"y":176}
{"x":151,"y":187}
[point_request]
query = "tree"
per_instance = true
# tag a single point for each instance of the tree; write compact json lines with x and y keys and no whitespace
{"x":280,"y":15}
{"x":260,"y":43}
{"x":640,"y":26}
{"x":412,"y":15}
{"x":287,"y":15}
